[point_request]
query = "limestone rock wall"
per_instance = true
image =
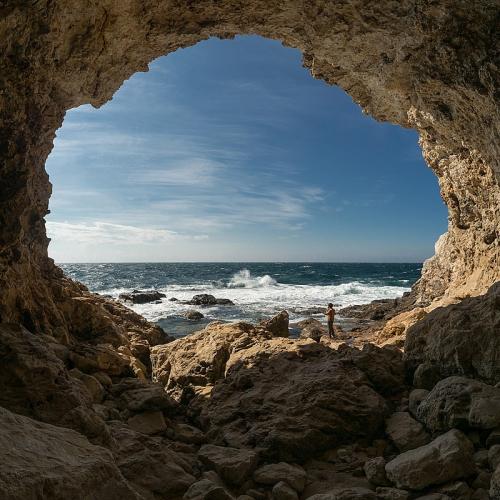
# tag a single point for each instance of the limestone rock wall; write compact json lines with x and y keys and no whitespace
{"x":418,"y":63}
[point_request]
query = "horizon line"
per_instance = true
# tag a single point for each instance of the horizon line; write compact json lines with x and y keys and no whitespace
{"x":243,"y":262}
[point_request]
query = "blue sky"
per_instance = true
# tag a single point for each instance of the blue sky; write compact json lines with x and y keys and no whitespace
{"x":230,"y":150}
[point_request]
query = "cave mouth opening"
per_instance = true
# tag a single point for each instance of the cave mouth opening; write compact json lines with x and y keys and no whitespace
{"x":229,"y":151}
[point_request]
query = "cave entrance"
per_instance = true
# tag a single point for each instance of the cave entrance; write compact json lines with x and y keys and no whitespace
{"x":230,"y":151}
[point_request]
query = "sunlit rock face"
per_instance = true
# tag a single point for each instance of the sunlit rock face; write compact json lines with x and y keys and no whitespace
{"x":426,"y":65}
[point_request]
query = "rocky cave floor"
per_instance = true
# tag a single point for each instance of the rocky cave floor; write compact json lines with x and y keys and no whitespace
{"x":240,"y":411}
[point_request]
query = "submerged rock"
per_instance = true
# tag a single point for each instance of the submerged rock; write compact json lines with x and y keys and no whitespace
{"x":142,"y":296}
{"x":193,"y":315}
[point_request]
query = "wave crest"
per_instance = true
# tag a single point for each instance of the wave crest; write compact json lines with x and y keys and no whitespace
{"x":244,"y":279}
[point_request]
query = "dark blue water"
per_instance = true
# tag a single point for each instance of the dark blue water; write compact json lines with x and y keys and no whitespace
{"x":258,"y":289}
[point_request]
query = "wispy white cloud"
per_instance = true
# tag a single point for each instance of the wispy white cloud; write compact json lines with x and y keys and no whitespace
{"x":108,"y":233}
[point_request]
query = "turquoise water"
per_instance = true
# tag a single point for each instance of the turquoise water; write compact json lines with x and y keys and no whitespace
{"x":258,"y":290}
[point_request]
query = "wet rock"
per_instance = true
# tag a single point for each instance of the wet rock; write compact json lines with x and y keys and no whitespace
{"x":271,"y":474}
{"x":232,"y":464}
{"x":447,"y":458}
{"x":55,"y":463}
{"x":151,"y":422}
{"x":460,"y":402}
{"x":142,"y":296}
{"x":405,"y":432}
{"x":415,"y":398}
{"x":375,"y":471}
{"x":193,"y":315}
{"x":282,"y":491}
{"x":205,"y":299}
{"x":278,"y":325}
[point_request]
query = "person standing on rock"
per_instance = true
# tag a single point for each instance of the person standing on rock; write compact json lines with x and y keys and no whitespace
{"x":330,"y":316}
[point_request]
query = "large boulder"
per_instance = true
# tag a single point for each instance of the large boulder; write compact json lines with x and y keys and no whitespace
{"x":277,"y":325}
{"x":199,"y":359}
{"x":293,"y":399}
{"x":448,"y":457}
{"x":35,"y":382}
{"x":149,"y":463}
{"x":44,"y":461}
{"x":460,"y":402}
{"x":233,"y":465}
{"x":405,"y":432}
{"x":460,"y":339}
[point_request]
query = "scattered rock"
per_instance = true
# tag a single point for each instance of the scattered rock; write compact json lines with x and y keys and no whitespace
{"x":151,"y":422}
{"x":494,"y":456}
{"x":447,"y":458}
{"x":282,"y":491}
{"x":457,"y":489}
{"x":233,"y":465}
{"x":271,"y":474}
{"x":392,"y":494}
{"x":142,"y":296}
{"x":405,"y":432}
{"x":206,"y":490}
{"x":193,"y":315}
{"x":375,"y":471}
{"x":459,"y":402}
{"x":346,"y":494}
{"x":278,"y":325}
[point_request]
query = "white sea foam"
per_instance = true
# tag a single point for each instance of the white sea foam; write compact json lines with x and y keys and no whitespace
{"x":261,"y":296}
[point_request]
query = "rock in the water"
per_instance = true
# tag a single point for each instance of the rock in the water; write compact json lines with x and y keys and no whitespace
{"x":405,"y":432}
{"x":205,"y":299}
{"x":271,"y":474}
{"x":142,"y":296}
{"x":193,"y":315}
{"x":447,"y":458}
{"x":460,"y":402}
{"x":278,"y":325}
{"x":375,"y":471}
{"x":233,"y":465}
{"x":44,"y":461}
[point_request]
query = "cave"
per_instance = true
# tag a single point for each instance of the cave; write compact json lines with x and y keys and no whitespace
{"x":429,"y":65}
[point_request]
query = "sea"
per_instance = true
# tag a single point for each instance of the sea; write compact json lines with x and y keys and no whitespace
{"x":258,"y":290}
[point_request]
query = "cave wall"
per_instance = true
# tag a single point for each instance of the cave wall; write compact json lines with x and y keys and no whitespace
{"x":430,"y":65}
